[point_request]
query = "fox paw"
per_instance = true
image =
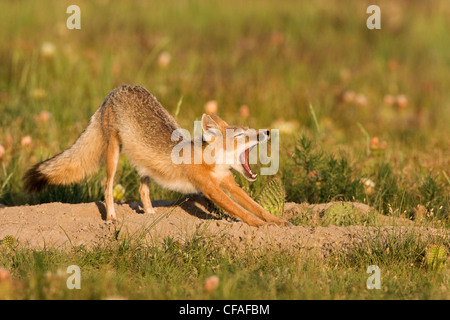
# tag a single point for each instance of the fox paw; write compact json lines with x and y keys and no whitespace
{"x":280,"y":223}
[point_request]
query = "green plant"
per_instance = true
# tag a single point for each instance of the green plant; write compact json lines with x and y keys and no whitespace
{"x":341,"y":214}
{"x":318,"y":177}
{"x":433,"y":196}
{"x":272,"y":197}
{"x":9,"y":241}
{"x":435,"y":257}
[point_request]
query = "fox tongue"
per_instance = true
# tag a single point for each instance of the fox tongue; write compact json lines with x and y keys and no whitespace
{"x":245,"y":164}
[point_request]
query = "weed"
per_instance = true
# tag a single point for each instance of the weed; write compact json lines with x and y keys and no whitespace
{"x":319,"y":177}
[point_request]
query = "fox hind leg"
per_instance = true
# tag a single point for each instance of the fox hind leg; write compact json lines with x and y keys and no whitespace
{"x":144,"y":191}
{"x":112,"y":158}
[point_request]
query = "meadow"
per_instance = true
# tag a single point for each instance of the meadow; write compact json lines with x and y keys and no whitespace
{"x":363,"y":116}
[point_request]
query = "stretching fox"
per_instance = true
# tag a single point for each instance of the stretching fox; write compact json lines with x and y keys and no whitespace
{"x":131,"y":120}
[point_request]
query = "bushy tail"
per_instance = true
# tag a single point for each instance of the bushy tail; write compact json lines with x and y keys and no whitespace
{"x":79,"y":161}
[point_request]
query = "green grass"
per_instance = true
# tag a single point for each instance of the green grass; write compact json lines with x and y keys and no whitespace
{"x":135,"y":269}
{"x":317,"y":176}
{"x":312,"y":68}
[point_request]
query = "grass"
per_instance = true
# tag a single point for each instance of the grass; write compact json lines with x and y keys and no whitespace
{"x":134,"y":269}
{"x":363,"y":116}
{"x":318,"y":177}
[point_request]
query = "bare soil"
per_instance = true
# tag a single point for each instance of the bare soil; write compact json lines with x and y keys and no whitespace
{"x":62,"y":225}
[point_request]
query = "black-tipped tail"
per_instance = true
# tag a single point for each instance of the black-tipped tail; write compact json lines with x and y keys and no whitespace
{"x":34,"y":180}
{"x":72,"y":165}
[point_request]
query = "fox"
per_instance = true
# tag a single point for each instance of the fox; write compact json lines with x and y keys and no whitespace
{"x":131,"y":121}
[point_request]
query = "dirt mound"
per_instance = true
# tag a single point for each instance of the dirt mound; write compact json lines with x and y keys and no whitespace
{"x":64,"y":225}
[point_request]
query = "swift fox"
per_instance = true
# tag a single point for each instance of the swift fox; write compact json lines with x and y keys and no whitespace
{"x":132,"y":121}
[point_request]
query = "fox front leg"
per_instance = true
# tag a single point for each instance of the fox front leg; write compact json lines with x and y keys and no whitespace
{"x":243,"y":199}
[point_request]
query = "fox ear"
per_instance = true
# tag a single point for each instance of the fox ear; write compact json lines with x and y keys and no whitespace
{"x":218,"y":120}
{"x":210,"y":127}
{"x":208,"y":123}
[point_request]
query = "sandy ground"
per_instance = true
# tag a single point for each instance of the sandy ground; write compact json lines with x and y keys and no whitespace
{"x":64,"y":225}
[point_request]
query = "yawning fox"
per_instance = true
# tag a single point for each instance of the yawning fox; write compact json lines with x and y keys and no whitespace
{"x":132,"y":121}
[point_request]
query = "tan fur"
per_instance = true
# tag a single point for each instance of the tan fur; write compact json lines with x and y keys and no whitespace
{"x":132,"y":121}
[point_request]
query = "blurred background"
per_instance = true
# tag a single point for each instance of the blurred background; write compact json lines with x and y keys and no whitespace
{"x":363,"y":114}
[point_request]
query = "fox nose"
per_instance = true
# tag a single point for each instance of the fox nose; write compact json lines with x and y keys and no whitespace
{"x":264,"y":134}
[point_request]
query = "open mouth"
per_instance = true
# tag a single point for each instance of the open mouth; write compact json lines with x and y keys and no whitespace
{"x":245,"y":163}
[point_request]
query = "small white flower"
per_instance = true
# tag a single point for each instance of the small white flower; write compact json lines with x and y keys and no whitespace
{"x":2,"y":151}
{"x":211,"y":107}
{"x":211,"y":284}
{"x":367,"y":182}
{"x":164,"y":59}
{"x":26,"y":141}
{"x":48,"y":50}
